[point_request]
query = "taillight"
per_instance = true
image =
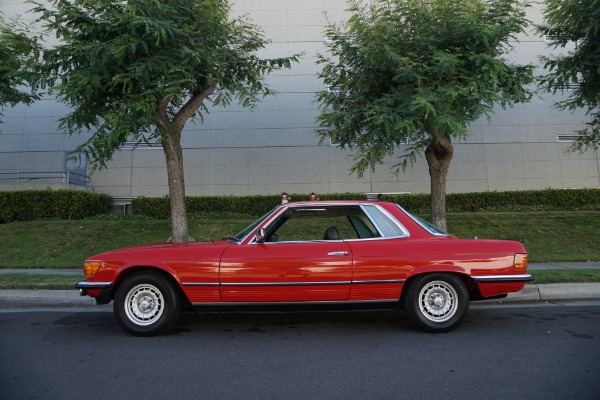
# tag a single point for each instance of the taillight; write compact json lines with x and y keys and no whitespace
{"x":520,"y":261}
{"x":90,"y":268}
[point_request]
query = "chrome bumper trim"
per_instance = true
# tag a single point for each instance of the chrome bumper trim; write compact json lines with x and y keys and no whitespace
{"x":503,"y":278}
{"x":93,"y":285}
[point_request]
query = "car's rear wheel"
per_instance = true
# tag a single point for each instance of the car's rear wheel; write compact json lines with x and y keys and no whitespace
{"x":437,"y":302}
{"x":146,"y":304}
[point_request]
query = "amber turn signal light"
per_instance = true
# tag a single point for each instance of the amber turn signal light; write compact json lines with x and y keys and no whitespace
{"x":90,"y":268}
{"x":521,"y":261}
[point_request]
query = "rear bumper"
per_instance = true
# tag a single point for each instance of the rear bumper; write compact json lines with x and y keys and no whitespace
{"x":503,"y":278}
{"x":497,"y":285}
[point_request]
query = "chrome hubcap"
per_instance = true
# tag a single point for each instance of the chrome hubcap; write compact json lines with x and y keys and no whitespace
{"x":438,"y":301}
{"x":144,"y":304}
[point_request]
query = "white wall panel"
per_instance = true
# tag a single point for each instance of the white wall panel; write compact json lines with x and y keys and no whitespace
{"x":275,"y":148}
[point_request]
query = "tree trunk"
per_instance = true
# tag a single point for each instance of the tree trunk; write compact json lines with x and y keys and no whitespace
{"x":171,"y":132}
{"x":174,"y":157}
{"x":439,"y":155}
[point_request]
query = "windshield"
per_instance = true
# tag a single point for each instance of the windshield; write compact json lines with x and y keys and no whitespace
{"x":247,"y":230}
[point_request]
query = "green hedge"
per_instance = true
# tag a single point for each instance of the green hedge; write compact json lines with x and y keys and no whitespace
{"x":158,"y":207}
{"x":77,"y":204}
{"x":526,"y":200}
{"x":62,"y":204}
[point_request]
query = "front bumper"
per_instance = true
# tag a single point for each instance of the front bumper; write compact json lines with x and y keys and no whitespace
{"x":101,"y":291}
{"x":92,"y":285}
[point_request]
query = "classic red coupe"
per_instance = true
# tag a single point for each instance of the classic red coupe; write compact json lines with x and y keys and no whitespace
{"x":354,"y":253}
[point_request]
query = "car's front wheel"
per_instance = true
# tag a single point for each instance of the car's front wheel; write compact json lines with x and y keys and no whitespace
{"x":436,"y":302}
{"x":146,"y":304}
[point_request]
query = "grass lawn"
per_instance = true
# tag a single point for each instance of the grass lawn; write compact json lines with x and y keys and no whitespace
{"x":66,"y":244}
{"x":566,"y":275}
{"x":38,"y":281}
{"x":547,"y":236}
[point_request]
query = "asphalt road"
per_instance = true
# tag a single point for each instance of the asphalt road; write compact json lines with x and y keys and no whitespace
{"x":533,"y":351}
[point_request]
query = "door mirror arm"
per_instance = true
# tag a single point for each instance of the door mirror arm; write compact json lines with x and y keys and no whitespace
{"x":261,"y":236}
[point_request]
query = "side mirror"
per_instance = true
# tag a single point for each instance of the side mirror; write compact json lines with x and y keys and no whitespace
{"x":261,"y":236}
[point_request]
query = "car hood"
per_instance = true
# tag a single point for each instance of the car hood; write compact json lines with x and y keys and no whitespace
{"x":164,"y":250}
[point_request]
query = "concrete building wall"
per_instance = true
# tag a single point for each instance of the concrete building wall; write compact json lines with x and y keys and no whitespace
{"x":274,"y":148}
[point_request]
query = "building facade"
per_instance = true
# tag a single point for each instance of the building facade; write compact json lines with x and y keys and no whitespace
{"x":274,"y":148}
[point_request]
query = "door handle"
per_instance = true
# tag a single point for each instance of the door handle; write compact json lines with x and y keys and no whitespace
{"x":338,"y":253}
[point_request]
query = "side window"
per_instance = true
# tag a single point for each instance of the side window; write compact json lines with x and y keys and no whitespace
{"x":338,"y":222}
{"x":383,"y":223}
{"x":302,"y":227}
{"x":363,"y":227}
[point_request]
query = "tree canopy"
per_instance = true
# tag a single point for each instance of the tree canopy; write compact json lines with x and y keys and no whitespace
{"x":17,"y":50}
{"x":137,"y":70}
{"x":130,"y":68}
{"x":575,"y":23}
{"x":406,"y":77}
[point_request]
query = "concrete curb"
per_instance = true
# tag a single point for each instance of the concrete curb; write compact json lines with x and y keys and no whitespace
{"x":43,"y":298}
{"x":555,"y":291}
{"x":531,"y":293}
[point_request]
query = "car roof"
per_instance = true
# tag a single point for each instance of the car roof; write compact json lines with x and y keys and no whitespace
{"x":332,"y":203}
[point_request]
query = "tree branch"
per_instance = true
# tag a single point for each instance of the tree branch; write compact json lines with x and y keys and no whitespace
{"x":161,"y":111}
{"x":193,"y":104}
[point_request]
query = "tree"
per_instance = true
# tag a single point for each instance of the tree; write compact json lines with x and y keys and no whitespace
{"x":575,"y":22}
{"x":16,"y":51}
{"x":140,"y":69}
{"x":418,"y":72}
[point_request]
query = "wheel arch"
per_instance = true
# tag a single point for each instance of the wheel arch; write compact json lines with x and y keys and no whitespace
{"x":469,"y":283}
{"x":132,"y":270}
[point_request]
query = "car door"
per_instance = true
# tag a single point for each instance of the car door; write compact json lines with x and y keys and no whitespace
{"x":318,"y":270}
{"x":381,"y":267}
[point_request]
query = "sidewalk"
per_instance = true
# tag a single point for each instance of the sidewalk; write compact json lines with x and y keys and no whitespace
{"x":71,"y":298}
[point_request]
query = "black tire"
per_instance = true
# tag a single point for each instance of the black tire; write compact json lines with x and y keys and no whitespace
{"x":146,"y":304}
{"x":436,"y":302}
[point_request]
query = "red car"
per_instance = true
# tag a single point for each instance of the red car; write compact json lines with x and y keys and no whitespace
{"x":355,"y":253}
